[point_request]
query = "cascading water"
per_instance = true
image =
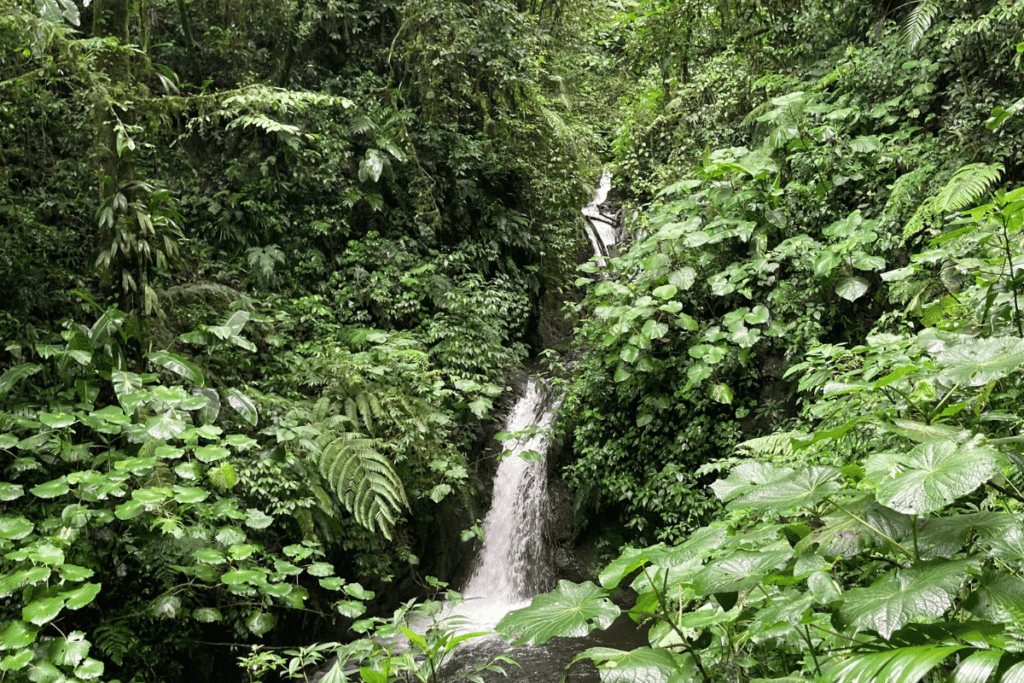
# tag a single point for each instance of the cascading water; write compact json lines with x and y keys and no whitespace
{"x":602,"y":228}
{"x":514,"y":563}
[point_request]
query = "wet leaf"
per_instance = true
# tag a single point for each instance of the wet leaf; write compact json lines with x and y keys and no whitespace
{"x":571,"y":610}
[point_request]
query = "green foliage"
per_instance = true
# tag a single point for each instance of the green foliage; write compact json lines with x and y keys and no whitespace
{"x":120,"y":512}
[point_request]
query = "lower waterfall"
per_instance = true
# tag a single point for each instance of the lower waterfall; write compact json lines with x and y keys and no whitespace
{"x":514,"y":563}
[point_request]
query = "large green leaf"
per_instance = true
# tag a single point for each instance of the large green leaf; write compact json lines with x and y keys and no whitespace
{"x":179,"y":365}
{"x":243,"y":405}
{"x":642,"y":665}
{"x":978,"y":667}
{"x":51,"y":489}
{"x":571,"y":610}
{"x":903,"y":596}
{"x":42,"y":611}
{"x":742,"y":569}
{"x":976,"y":362}
{"x":789,"y":490}
{"x":901,"y":665}
{"x":15,"y":375}
{"x":166,"y":426}
{"x":937,"y":473}
{"x":852,"y":288}
{"x":14,"y":528}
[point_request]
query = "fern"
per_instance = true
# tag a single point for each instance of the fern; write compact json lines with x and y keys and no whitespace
{"x":919,"y":21}
{"x":778,"y":445}
{"x":262,"y":262}
{"x":905,"y":187}
{"x":967,"y":186}
{"x":114,"y":640}
{"x":363,"y":479}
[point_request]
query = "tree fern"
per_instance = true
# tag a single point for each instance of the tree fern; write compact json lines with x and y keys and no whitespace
{"x":363,"y":480}
{"x":919,"y":21}
{"x":966,"y":186}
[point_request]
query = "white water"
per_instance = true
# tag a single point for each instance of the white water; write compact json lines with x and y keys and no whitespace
{"x":602,"y":228}
{"x":514,"y":564}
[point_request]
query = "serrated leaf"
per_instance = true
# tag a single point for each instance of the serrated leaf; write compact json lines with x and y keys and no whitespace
{"x":257,"y":519}
{"x":260,"y":622}
{"x":721,"y":393}
{"x":977,"y":362}
{"x":665,"y":291}
{"x":571,"y":610}
{"x":903,"y":596}
{"x":237,"y":576}
{"x":17,"y":661}
{"x":81,"y":596}
{"x":190,"y":494}
{"x":165,"y":427}
{"x":57,"y":420}
{"x":166,"y":607}
{"x":89,"y":669}
{"x":207,"y":615}
{"x":641,"y":665}
{"x":937,"y":473}
{"x":51,"y":489}
{"x":209,"y":556}
{"x":210,"y":454}
{"x":17,"y":635}
{"x":789,"y":489}
{"x":15,"y":528}
{"x":683,"y":278}
{"x":741,"y":570}
{"x":357,"y":591}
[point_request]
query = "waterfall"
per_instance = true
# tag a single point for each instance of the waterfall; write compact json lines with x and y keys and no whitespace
{"x":514,"y":563}
{"x":601,"y":232}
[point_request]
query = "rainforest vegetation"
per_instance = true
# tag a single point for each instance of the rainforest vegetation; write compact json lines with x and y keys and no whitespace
{"x":270,"y":266}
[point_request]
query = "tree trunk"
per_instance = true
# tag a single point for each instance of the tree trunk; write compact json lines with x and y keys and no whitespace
{"x":110,"y":20}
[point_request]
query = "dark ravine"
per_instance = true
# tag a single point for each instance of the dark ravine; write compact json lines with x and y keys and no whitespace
{"x":529,"y":528}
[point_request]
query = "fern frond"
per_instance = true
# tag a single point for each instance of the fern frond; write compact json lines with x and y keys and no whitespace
{"x":779,"y":444}
{"x":967,"y":186}
{"x":363,"y":480}
{"x":917,"y":222}
{"x":919,"y":21}
{"x":114,"y":640}
{"x":361,"y":124}
{"x":903,"y":188}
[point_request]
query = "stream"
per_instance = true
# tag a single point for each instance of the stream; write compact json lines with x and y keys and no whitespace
{"x":515,"y":563}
